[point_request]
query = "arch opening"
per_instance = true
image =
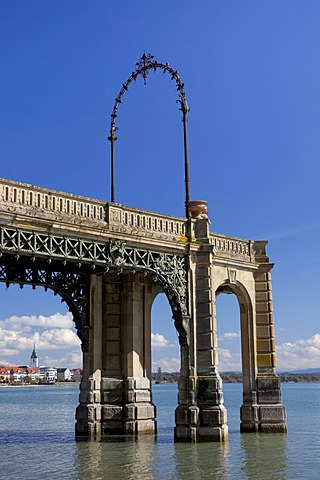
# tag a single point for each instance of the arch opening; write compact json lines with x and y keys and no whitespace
{"x":35,"y":320}
{"x":235,"y":346}
{"x":165,"y":360}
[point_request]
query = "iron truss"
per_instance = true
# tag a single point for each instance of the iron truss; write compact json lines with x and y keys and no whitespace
{"x":72,"y":286}
{"x":83,"y":256}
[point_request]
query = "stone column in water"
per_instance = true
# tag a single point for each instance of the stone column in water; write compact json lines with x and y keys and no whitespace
{"x":268,"y":414}
{"x":212,"y":419}
{"x":115,"y":393}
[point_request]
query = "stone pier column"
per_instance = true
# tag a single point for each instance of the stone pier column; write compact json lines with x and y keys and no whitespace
{"x":268,"y":415}
{"x":88,"y":412}
{"x":139,"y":411}
{"x":187,"y":413}
{"x":212,"y":418}
{"x":115,"y":395}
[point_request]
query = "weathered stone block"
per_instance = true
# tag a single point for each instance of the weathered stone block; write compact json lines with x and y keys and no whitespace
{"x":203,"y":272}
{"x":205,"y":325}
{"x":82,"y":412}
{"x":262,"y":296}
{"x":204,"y":310}
{"x":273,"y":428}
{"x":203,"y":283}
{"x":113,"y":333}
{"x":204,"y":295}
{"x":261,"y":286}
{"x":181,"y":416}
{"x":269,"y":396}
{"x":129,"y":428}
{"x":265,"y":346}
{"x":112,"y":347}
{"x":112,"y":427}
{"x":129,"y":412}
{"x":113,"y":309}
{"x":268,"y":382}
{"x":145,"y":426}
{"x":144,"y":412}
{"x":205,"y":358}
{"x":249,"y":413}
{"x":182,"y":433}
{"x":130,"y":383}
{"x":111,"y":412}
{"x":83,"y":396}
{"x":111,"y":384}
{"x":205,"y":341}
{"x":266,"y":360}
{"x":142,"y":396}
{"x":265,"y":331}
{"x":113,"y":363}
{"x":130,"y":396}
{"x":142,"y":383}
{"x":97,"y":397}
{"x":193,"y":415}
{"x":113,"y":297}
{"x":210,"y":417}
{"x":213,"y":434}
{"x":263,"y":307}
{"x":272,"y":414}
{"x":264,"y":319}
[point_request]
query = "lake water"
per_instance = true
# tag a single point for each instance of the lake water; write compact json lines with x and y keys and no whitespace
{"x":37,"y":441}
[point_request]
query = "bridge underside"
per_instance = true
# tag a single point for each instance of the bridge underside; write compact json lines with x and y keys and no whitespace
{"x":109,"y":270}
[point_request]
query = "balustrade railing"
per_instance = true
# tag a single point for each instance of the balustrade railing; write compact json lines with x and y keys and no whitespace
{"x":24,"y":195}
{"x":231,"y":245}
{"x":25,"y":199}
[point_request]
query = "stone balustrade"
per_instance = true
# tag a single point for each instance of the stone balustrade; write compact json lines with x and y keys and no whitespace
{"x":231,"y":245}
{"x":16,"y":194}
{"x":30,"y":200}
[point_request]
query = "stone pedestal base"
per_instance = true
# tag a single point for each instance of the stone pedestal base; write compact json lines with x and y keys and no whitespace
{"x":194,"y":424}
{"x":125,"y":408}
{"x":207,"y":420}
{"x":268,"y":414}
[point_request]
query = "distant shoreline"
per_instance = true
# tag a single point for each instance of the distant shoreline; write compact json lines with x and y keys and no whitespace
{"x":56,"y":384}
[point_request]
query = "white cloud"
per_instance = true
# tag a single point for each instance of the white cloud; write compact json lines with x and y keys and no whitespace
{"x":70,"y":360}
{"x":25,"y":323}
{"x":167,"y":364}
{"x":228,"y":361}
{"x":229,"y":336}
{"x":18,"y":334}
{"x":301,"y":354}
{"x":159,"y":341}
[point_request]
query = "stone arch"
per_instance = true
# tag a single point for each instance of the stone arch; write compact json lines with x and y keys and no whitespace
{"x":248,"y":334}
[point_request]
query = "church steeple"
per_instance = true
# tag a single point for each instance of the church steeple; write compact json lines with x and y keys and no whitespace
{"x":34,"y":357}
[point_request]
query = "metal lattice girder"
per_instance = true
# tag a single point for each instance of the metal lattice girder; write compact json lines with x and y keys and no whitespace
{"x":170,"y":270}
{"x":72,"y":286}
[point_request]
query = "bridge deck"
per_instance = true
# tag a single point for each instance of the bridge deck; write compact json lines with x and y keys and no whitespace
{"x":41,"y":209}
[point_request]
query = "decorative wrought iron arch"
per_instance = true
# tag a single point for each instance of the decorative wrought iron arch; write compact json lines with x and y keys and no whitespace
{"x":144,"y":65}
{"x":71,"y":286}
{"x":65,"y":263}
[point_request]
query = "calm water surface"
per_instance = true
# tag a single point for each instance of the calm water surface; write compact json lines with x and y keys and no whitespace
{"x":37,"y":441}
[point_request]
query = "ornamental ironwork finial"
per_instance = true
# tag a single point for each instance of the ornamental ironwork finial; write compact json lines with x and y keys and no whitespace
{"x":146,"y":63}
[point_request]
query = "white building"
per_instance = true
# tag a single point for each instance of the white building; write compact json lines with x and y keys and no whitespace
{"x":64,"y":374}
{"x":47,"y":374}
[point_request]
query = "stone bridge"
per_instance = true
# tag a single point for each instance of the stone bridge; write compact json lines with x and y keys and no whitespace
{"x":108,"y":262}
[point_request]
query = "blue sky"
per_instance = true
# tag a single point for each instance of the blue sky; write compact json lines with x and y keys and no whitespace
{"x":252,"y":76}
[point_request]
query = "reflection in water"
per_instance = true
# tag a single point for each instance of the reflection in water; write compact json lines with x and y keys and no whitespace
{"x":131,"y":459}
{"x":265,"y":456}
{"x":202,"y":461}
